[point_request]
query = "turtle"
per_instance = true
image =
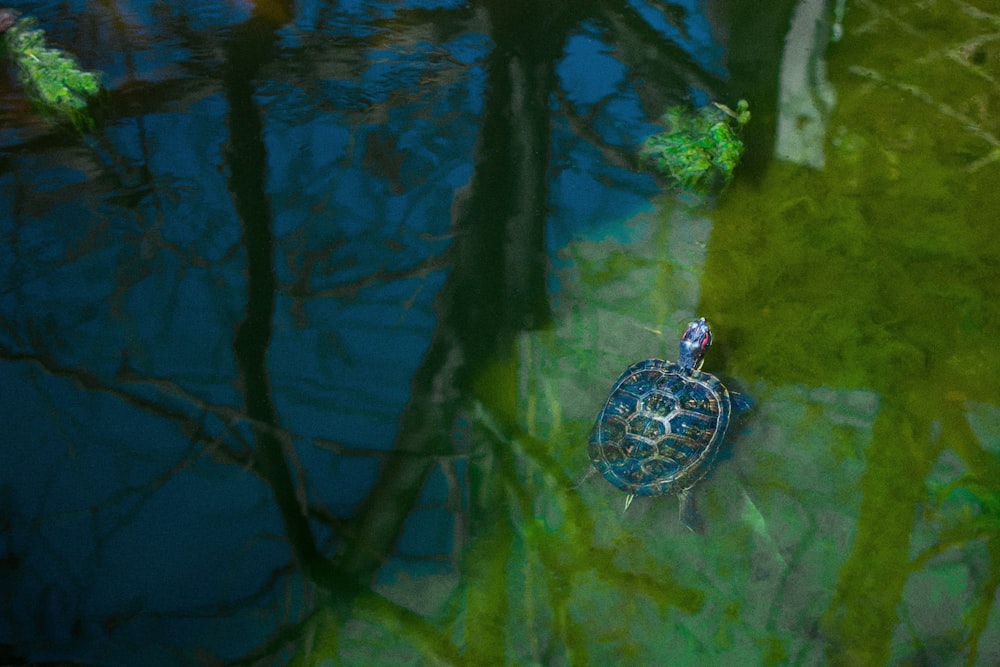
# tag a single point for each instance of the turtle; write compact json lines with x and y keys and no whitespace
{"x":663,"y":423}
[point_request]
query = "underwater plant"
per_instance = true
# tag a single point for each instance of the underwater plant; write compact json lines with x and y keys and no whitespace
{"x":52,"y":78}
{"x":699,"y":149}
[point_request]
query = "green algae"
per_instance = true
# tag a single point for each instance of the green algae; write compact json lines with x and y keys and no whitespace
{"x":859,"y":303}
{"x":879,"y":272}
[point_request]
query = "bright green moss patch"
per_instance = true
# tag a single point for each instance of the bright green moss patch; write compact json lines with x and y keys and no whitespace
{"x":699,"y":149}
{"x":52,"y":77}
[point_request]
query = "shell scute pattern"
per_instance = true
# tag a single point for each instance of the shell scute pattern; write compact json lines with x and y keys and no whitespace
{"x":657,"y":426}
{"x":647,"y":426}
{"x":660,"y":403}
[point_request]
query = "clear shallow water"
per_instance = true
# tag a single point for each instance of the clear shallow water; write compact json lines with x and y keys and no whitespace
{"x":302,"y":346}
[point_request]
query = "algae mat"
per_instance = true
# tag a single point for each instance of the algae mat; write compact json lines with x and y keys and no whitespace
{"x":880,"y":273}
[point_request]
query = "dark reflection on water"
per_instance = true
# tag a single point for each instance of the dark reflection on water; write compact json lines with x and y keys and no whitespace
{"x":244,"y":321}
{"x":301,"y":346}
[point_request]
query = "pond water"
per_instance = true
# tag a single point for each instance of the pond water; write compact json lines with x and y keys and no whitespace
{"x":301,"y":344}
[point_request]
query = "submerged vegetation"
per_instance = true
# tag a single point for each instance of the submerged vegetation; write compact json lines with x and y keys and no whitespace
{"x":52,"y":78}
{"x":699,"y":150}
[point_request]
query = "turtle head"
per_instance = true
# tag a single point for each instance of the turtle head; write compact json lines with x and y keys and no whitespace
{"x":694,"y":343}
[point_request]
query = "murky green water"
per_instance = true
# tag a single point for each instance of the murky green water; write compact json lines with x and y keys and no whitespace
{"x":854,"y":518}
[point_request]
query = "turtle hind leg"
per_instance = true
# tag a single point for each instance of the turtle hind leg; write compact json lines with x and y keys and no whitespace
{"x":628,"y":501}
{"x":584,"y":477}
{"x":741,"y":402}
{"x":688,"y":511}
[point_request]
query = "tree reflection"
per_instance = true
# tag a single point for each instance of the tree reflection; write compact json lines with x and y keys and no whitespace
{"x":300,"y":267}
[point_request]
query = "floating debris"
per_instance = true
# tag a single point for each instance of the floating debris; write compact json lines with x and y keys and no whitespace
{"x":52,"y":78}
{"x":700,"y":149}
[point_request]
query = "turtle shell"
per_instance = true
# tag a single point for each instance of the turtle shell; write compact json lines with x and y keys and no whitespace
{"x":660,"y":428}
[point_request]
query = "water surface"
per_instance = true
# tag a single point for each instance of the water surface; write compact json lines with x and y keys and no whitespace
{"x":302,"y":344}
